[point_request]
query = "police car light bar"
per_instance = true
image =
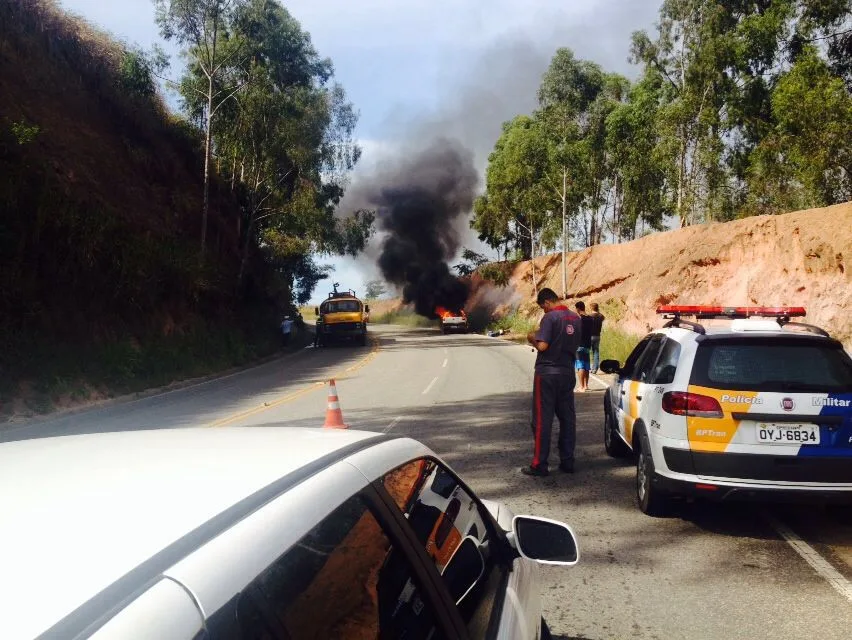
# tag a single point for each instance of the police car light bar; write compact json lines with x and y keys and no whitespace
{"x":709,"y":312}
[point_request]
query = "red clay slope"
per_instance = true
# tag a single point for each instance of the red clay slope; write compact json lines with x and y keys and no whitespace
{"x":801,"y":258}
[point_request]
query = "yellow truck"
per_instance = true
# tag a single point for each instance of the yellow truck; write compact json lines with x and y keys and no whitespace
{"x":342,"y":316}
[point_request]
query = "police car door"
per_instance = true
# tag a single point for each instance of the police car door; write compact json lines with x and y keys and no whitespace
{"x":621,"y":388}
{"x":638,"y":388}
{"x":656,"y":379}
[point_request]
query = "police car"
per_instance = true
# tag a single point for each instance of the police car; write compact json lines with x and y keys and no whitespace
{"x":760,"y":407}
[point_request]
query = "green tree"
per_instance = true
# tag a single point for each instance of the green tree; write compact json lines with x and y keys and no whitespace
{"x":639,"y":173}
{"x":205,"y":29}
{"x":512,"y":210}
{"x":809,"y":143}
{"x":683,"y":55}
{"x":374,"y":289}
{"x":285,"y":140}
{"x":568,"y":89}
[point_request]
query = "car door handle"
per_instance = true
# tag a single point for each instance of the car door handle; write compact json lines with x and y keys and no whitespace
{"x":638,"y":397}
{"x":622,"y":393}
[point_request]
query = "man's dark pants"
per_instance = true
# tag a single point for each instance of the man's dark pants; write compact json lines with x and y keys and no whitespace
{"x":553,"y":394}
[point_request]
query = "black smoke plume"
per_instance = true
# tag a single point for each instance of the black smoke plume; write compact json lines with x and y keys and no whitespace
{"x":419,"y":207}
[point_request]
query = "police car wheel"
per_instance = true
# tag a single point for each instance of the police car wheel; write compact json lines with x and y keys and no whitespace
{"x":614,"y":445}
{"x":651,"y":501}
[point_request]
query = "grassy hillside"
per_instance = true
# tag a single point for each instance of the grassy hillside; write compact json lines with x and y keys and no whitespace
{"x":101,"y":286}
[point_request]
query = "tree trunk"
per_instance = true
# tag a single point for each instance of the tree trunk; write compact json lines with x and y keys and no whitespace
{"x":532,"y":257}
{"x":207,"y":136}
{"x":564,"y":232}
{"x":616,"y":212}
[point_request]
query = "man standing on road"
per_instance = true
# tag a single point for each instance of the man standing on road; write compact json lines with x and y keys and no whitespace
{"x":597,"y":324}
{"x":286,"y":329}
{"x":584,"y":350}
{"x":556,"y":343}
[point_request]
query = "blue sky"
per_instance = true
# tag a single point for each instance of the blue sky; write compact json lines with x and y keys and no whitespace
{"x":418,"y":68}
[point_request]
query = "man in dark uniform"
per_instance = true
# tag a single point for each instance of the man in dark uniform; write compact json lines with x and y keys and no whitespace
{"x":556,"y":342}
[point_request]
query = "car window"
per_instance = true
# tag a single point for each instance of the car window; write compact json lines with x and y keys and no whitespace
{"x":633,"y":358}
{"x":340,"y":306}
{"x":442,"y":513}
{"x":648,"y":360}
{"x":772,"y":365}
{"x":344,"y":579}
{"x":664,"y":371}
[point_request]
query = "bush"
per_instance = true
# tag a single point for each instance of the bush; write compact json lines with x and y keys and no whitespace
{"x":403,"y":317}
{"x":514,"y":322}
{"x":617,"y":344}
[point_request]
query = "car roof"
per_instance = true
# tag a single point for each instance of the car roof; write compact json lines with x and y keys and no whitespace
{"x":757,"y":331}
{"x":80,"y":512}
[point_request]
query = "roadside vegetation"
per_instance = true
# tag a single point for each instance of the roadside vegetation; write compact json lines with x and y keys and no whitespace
{"x":57,"y":376}
{"x":404,"y":317}
{"x":132,"y":234}
{"x":617,"y":344}
{"x":514,"y":323}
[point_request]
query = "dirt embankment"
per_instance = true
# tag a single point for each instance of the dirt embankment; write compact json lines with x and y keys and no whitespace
{"x":802,"y":258}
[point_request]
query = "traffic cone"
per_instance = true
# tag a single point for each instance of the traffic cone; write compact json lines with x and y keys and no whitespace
{"x":333,"y":414}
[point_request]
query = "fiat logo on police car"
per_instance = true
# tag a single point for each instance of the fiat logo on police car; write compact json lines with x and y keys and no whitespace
{"x":787,"y":404}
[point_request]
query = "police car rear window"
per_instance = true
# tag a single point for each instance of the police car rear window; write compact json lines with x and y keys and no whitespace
{"x":772,"y":365}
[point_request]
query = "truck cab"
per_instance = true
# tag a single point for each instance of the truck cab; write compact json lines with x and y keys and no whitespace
{"x":342,"y":316}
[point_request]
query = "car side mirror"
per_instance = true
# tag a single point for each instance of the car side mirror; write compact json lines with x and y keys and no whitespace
{"x":316,"y":311}
{"x":545,"y":541}
{"x":367,"y":308}
{"x":610,"y":366}
{"x":464,"y":569}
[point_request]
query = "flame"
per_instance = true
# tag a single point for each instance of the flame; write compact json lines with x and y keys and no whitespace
{"x":443,"y":312}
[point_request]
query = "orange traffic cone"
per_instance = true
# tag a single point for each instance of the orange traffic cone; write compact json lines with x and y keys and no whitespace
{"x":333,"y":415}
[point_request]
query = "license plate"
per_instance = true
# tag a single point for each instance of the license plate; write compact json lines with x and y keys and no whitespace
{"x":773,"y":433}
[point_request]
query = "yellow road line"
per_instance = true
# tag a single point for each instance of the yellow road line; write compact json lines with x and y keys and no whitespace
{"x":299,"y":393}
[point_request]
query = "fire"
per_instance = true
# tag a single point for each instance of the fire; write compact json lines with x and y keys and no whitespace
{"x":443,"y":312}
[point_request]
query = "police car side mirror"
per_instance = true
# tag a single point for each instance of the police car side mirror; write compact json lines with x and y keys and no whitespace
{"x":610,"y":366}
{"x":544,"y":540}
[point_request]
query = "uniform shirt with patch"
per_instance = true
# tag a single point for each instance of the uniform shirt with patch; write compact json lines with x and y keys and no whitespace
{"x":561,"y":329}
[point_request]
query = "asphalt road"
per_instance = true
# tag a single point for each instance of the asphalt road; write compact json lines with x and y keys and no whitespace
{"x":709,"y":571}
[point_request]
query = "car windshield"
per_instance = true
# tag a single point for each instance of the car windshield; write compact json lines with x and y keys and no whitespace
{"x":773,"y":365}
{"x":340,"y":306}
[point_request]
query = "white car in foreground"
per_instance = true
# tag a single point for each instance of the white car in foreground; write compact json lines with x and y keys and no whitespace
{"x":260,"y":533}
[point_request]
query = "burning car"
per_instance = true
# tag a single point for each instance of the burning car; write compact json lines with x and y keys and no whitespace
{"x":452,"y":320}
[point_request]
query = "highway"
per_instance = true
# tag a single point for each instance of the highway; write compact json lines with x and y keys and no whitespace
{"x":709,"y":571}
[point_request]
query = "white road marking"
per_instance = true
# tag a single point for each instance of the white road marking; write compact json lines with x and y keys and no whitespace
{"x":392,"y":424}
{"x":444,"y":366}
{"x":813,"y":558}
{"x":431,"y":384}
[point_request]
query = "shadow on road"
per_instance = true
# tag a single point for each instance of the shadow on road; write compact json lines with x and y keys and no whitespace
{"x":489,"y":439}
{"x":203,"y":403}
